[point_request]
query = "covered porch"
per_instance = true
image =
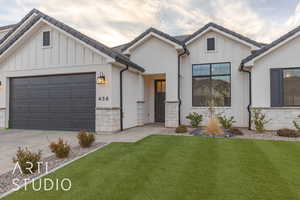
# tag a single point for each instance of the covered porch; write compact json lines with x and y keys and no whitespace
{"x":160,"y":103}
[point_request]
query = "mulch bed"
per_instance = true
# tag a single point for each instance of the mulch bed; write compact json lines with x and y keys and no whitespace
{"x":200,"y":132}
{"x":6,"y":179}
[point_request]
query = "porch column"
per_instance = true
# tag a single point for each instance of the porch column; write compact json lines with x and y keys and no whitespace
{"x":107,"y":107}
{"x":172,"y":103}
{"x":141,"y":102}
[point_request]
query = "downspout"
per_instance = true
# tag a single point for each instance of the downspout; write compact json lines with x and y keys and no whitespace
{"x":178,"y":92}
{"x":121,"y":97}
{"x":250,"y":94}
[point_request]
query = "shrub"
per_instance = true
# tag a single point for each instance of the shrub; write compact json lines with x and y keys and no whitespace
{"x":259,"y":120}
{"x":195,"y":119}
{"x":214,"y":127}
{"x":60,"y":148}
{"x":27,"y":160}
{"x":288,"y":133}
{"x":235,"y":131}
{"x":181,"y":129}
{"x":85,"y":139}
{"x":296,"y":125}
{"x":226,"y":122}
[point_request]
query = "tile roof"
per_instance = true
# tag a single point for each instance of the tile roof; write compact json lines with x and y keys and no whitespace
{"x":153,"y":30}
{"x":97,"y":45}
{"x":271,"y":45}
{"x":7,"y":27}
{"x":221,"y":28}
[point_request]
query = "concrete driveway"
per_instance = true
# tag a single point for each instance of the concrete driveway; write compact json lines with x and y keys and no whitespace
{"x":10,"y":140}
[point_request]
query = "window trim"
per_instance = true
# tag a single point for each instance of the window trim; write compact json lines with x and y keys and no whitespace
{"x":210,"y":78}
{"x":50,"y":39}
{"x":282,"y":80}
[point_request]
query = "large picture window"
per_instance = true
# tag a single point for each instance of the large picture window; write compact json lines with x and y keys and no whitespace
{"x":291,"y":89}
{"x":211,"y":85}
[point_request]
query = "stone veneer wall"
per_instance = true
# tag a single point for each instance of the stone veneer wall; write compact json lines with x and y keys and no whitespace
{"x":140,"y":113}
{"x":281,"y":117}
{"x":171,"y":114}
{"x":2,"y":117}
{"x":107,"y":119}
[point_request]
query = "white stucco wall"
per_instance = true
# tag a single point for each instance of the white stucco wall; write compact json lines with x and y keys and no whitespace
{"x":158,"y":57}
{"x":227,"y":50}
{"x":284,"y":57}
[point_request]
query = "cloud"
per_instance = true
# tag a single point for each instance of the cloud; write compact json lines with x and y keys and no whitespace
{"x":114,"y":22}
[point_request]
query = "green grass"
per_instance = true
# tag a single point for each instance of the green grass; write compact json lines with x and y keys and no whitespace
{"x":178,"y":167}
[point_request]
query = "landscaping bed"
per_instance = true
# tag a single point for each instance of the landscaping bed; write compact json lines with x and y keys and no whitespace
{"x":6,"y":179}
{"x":185,"y":168}
{"x":267,"y":135}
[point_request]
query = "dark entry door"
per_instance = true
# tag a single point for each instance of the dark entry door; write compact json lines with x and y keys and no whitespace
{"x":160,"y":97}
{"x":62,"y":102}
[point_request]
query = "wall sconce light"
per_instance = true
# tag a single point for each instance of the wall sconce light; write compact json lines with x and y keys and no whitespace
{"x":1,"y":84}
{"x":101,"y":79}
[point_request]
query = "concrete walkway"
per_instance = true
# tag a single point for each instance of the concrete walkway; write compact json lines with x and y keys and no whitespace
{"x":10,"y":140}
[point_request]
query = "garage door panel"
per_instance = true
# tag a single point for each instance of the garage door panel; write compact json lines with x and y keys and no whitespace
{"x":64,"y":102}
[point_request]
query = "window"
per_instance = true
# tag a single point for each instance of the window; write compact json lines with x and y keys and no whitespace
{"x":291,"y":89}
{"x":46,"y":38}
{"x":211,"y":44}
{"x":285,"y":90}
{"x":211,"y":83}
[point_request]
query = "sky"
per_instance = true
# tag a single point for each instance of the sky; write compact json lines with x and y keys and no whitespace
{"x":114,"y":22}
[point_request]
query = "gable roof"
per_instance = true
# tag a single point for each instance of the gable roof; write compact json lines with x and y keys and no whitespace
{"x":155,"y":31}
{"x":266,"y":48}
{"x":225,"y":30}
{"x":87,"y":40}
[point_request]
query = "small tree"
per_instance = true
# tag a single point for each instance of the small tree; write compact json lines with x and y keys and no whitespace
{"x":213,"y":126}
{"x":259,"y":120}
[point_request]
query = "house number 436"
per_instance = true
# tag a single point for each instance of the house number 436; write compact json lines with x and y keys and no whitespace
{"x":103,"y":98}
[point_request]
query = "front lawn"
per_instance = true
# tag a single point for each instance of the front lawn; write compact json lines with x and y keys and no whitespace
{"x":174,"y":167}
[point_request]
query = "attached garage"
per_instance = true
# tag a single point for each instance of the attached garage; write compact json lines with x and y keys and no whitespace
{"x":60,"y":102}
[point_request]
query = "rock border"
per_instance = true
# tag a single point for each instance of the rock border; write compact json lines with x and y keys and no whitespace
{"x":54,"y":164}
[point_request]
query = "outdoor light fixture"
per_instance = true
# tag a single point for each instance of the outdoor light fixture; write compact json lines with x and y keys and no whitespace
{"x":101,"y":79}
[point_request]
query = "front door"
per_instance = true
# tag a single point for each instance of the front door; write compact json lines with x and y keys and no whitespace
{"x":160,"y":97}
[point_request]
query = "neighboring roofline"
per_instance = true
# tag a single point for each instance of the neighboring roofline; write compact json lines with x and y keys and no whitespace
{"x":76,"y":34}
{"x":228,"y":32}
{"x":152,"y":32}
{"x":272,"y":46}
{"x":4,"y":28}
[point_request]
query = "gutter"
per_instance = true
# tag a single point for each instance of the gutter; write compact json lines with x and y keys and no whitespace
{"x":121,"y":97}
{"x":186,"y":51}
{"x":250,"y":94}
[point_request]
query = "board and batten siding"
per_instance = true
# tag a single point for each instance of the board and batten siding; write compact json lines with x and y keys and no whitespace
{"x":65,"y":55}
{"x":63,"y":51}
{"x":227,"y":50}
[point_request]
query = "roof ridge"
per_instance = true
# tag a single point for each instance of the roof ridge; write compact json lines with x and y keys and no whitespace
{"x":272,"y":44}
{"x":154,"y":30}
{"x":226,"y":30}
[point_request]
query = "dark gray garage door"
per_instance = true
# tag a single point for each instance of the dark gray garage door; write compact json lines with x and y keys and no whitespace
{"x":63,"y":102}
